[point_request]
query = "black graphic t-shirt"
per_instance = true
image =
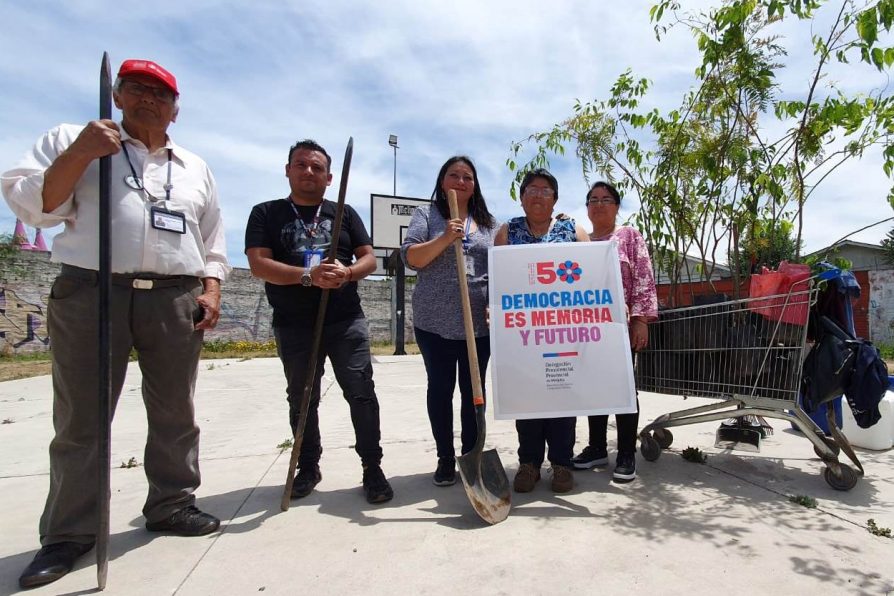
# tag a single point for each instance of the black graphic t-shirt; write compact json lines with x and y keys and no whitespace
{"x":277,"y":226}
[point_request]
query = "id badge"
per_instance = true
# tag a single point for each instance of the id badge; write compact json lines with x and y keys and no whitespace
{"x":312,"y":258}
{"x":169,"y":221}
{"x":470,"y":266}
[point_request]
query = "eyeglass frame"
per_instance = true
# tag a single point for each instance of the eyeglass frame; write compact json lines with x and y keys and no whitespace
{"x":537,"y":191}
{"x":601,"y":201}
{"x":138,"y":89}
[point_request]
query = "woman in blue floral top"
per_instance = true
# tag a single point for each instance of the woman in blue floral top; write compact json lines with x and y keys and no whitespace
{"x":539,"y":193}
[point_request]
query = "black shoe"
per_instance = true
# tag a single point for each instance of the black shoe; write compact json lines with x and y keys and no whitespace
{"x":590,"y":457}
{"x":52,"y":562}
{"x":625,"y":467}
{"x":305,"y":481}
{"x":188,"y":521}
{"x":445,"y":475}
{"x":375,"y":486}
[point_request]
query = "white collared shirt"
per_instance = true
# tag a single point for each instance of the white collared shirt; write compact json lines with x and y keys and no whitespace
{"x":136,"y":245}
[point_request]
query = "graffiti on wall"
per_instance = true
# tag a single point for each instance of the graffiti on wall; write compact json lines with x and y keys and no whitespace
{"x":22,"y":323}
{"x":881,"y":306}
{"x":242,"y":325}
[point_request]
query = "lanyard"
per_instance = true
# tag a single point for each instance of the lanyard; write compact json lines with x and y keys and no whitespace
{"x":311,"y":231}
{"x":136,"y":183}
{"x":466,"y":240}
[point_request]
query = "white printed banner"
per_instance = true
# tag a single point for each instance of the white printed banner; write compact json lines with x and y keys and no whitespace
{"x":558,"y":331}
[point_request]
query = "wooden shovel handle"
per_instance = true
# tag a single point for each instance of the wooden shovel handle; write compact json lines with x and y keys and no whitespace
{"x":477,"y":391}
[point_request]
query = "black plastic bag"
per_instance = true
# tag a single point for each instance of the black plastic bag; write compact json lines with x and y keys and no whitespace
{"x":829,"y":366}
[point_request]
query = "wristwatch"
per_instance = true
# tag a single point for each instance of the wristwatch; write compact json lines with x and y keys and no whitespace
{"x":306,"y":280}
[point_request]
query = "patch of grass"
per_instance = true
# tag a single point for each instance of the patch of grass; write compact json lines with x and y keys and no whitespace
{"x":131,"y":463}
{"x":211,"y":366}
{"x":26,"y":357}
{"x":886,"y":350}
{"x":285,"y":445}
{"x":876,"y":530}
{"x":695,"y":455}
{"x":803,"y":501}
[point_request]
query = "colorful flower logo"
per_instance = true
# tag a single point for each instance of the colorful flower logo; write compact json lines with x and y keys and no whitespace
{"x":569,"y":271}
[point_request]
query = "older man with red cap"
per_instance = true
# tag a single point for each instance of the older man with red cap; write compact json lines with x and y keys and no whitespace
{"x":168,"y":259}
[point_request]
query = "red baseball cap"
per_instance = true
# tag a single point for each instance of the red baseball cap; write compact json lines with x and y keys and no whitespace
{"x":147,"y":67}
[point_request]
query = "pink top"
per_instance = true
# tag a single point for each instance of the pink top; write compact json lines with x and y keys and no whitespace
{"x":636,"y":272}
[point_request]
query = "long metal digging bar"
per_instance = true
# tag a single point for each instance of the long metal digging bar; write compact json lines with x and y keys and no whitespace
{"x":317,"y":333}
{"x":104,"y":457}
{"x":482,"y":472}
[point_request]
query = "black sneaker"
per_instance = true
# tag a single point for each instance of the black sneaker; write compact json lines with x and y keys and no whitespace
{"x":375,"y":485}
{"x":590,"y":457}
{"x":189,"y":521}
{"x":445,"y":475}
{"x":305,"y":481}
{"x":625,"y":467}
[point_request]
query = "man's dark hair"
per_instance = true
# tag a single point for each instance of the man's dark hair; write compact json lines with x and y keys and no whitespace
{"x":477,"y":206}
{"x":310,"y":145}
{"x":540,"y":173}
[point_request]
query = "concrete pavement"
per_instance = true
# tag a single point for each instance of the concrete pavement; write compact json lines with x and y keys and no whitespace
{"x":726,"y":527}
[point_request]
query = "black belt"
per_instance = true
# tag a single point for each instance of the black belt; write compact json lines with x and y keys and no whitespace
{"x":138,"y":281}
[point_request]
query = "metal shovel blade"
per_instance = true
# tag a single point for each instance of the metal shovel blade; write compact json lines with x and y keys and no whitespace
{"x":738,"y":438}
{"x":486,"y":484}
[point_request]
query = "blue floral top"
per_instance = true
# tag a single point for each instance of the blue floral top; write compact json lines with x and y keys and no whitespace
{"x":562,"y":230}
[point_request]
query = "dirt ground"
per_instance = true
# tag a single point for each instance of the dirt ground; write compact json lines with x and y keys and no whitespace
{"x":11,"y":368}
{"x":22,"y":369}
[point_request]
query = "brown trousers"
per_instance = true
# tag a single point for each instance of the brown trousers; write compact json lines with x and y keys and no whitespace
{"x":158,"y":323}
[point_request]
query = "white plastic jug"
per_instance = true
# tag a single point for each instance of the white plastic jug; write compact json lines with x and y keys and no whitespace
{"x":879,"y":436}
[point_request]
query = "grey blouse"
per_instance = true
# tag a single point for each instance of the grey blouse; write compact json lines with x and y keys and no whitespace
{"x":437,"y":305}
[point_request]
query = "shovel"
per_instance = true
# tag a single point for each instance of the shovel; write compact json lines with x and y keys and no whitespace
{"x":482,"y":472}
{"x":739,"y":435}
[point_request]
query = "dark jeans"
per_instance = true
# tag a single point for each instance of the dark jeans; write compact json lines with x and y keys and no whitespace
{"x":442,"y":357}
{"x":627,"y":425}
{"x":346,"y":343}
{"x":558,"y":433}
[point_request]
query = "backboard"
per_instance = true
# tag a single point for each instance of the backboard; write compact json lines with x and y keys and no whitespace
{"x":390,"y":216}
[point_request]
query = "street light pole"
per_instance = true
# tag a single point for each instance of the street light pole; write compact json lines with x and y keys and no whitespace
{"x":392,"y":140}
{"x":400,"y":278}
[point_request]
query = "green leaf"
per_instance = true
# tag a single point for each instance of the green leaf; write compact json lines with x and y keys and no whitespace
{"x":867,"y":27}
{"x":878,"y":58}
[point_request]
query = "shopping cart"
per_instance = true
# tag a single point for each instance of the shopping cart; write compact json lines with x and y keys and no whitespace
{"x":746,"y":353}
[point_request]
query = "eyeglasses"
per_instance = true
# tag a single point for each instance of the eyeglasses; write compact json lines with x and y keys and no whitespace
{"x":161,"y":93}
{"x":600,"y":202}
{"x":537,"y":191}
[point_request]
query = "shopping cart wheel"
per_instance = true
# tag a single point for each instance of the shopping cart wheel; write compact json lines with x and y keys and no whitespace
{"x":664,"y":437}
{"x":650,"y":448}
{"x":830,"y":443}
{"x":846,"y":478}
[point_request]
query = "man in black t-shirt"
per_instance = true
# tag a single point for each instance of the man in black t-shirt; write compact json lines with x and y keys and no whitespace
{"x":287,"y":241}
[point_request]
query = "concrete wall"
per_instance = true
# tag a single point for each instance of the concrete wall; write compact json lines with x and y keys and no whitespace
{"x":27,"y":276}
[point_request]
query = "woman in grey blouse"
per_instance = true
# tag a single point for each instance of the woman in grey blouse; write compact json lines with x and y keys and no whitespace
{"x":437,"y":307}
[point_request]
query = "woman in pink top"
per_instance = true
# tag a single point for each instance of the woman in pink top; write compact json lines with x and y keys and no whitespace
{"x":603,"y":202}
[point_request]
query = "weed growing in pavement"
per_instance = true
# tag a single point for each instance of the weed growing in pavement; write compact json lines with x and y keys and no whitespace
{"x":8,"y":421}
{"x":803,"y":501}
{"x":287,"y":444}
{"x":131,"y":463}
{"x":877,"y":531}
{"x":695,"y":455}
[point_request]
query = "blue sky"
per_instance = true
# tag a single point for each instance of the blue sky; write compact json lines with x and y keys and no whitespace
{"x":460,"y":77}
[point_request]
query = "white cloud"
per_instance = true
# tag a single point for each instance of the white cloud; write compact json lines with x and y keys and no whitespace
{"x":461,"y":77}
